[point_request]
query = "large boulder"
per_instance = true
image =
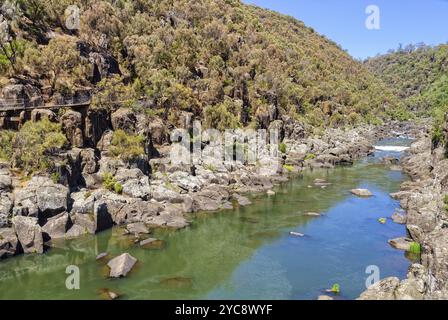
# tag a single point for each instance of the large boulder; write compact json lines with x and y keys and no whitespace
{"x":9,"y":244}
{"x":210,"y":199}
{"x":41,"y":197}
{"x":135,"y":183}
{"x":40,"y":114}
{"x":56,"y":227}
{"x":121,"y":265}
{"x":98,"y":220}
{"x":382,"y":290}
{"x":363,"y":193}
{"x":124,"y":119}
{"x":29,"y":234}
{"x":72,"y":125}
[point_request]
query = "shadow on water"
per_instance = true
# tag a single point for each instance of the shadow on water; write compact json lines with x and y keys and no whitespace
{"x":244,"y":253}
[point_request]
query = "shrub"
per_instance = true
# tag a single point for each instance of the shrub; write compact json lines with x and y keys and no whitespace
{"x":445,"y":201}
{"x":288,"y":168}
{"x":36,"y":144}
{"x":310,"y":156}
{"x":55,"y":177}
{"x":336,"y":288}
{"x":126,"y":146}
{"x":111,"y":184}
{"x":415,"y":248}
{"x":282,"y":147}
{"x":6,"y":144}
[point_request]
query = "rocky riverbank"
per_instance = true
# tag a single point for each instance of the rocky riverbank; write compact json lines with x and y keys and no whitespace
{"x":153,"y":191}
{"x":423,"y":200}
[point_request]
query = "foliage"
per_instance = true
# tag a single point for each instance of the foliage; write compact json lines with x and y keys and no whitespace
{"x":288,"y":168}
{"x":111,"y":184}
{"x":310,"y":156}
{"x":282,"y":147}
{"x":335,"y":288}
{"x":415,"y":248}
{"x":220,"y":60}
{"x":382,"y":220}
{"x":126,"y":146}
{"x":6,"y":144}
{"x":33,"y":146}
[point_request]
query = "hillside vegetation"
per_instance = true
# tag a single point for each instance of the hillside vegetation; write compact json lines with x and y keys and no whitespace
{"x":231,"y":64}
{"x":418,"y":75}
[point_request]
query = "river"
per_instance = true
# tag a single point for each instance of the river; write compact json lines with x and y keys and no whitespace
{"x":246,"y":253}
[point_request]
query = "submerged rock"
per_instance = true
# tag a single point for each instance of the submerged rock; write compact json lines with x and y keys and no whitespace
{"x":242,"y":201}
{"x":121,"y":265}
{"x":312,"y":214}
{"x":361,"y":193}
{"x":296,"y":234}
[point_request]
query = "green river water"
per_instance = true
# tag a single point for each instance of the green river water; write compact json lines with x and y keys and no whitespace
{"x":246,"y":253}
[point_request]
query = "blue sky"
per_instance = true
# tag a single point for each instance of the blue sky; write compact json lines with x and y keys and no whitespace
{"x":343,"y":21}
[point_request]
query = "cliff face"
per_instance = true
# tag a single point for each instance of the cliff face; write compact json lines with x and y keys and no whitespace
{"x":226,"y":62}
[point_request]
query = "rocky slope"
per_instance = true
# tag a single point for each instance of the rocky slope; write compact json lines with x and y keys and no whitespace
{"x":154,"y":191}
{"x":424,"y":200}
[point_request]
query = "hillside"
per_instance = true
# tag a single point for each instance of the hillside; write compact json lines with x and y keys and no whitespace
{"x":228,"y":63}
{"x":418,"y":75}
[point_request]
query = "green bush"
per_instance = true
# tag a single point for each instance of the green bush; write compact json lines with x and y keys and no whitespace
{"x":336,"y":288}
{"x":126,"y":146}
{"x":6,"y":144}
{"x":111,"y":184}
{"x":34,"y":146}
{"x":282,"y":147}
{"x":415,"y":248}
{"x":310,"y":156}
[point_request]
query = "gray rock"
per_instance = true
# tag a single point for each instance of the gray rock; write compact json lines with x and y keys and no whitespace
{"x":76,"y":231}
{"x":135,"y":183}
{"x":324,"y":297}
{"x":399,"y":218}
{"x":71,"y":122}
{"x":41,"y":196}
{"x":121,"y":265}
{"x":100,"y":219}
{"x":137,"y":228}
{"x":361,"y":192}
{"x":382,"y":290}
{"x":9,"y":244}
{"x":401,"y":243}
{"x":242,"y":201}
{"x":29,"y":234}
{"x":56,"y":227}
{"x":101,"y":255}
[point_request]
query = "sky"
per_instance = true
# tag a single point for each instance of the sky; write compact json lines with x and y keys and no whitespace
{"x":344,"y":21}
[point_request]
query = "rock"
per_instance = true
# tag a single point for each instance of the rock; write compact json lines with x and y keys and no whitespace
{"x":39,"y":114}
{"x":391,"y":161}
{"x":270,"y":193}
{"x":137,"y":228}
{"x":76,"y":231}
{"x":312,"y":214}
{"x":9,"y":244}
{"x":159,"y":133}
{"x":324,"y":297}
{"x":96,"y":123}
{"x":41,"y":197}
{"x":401,"y":243}
{"x":83,"y":202}
{"x":135,"y":183}
{"x":56,"y":226}
{"x":29,"y":234}
{"x":108,"y":294}
{"x":382,"y":290}
{"x":101,"y":255}
{"x":124,"y":119}
{"x":121,"y":265}
{"x":164,"y":193}
{"x":98,"y":220}
{"x":72,"y":125}
{"x":296,"y":234}
{"x":399,"y":218}
{"x":361,"y":192}
{"x":210,"y":198}
{"x":6,"y":205}
{"x":242,"y":201}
